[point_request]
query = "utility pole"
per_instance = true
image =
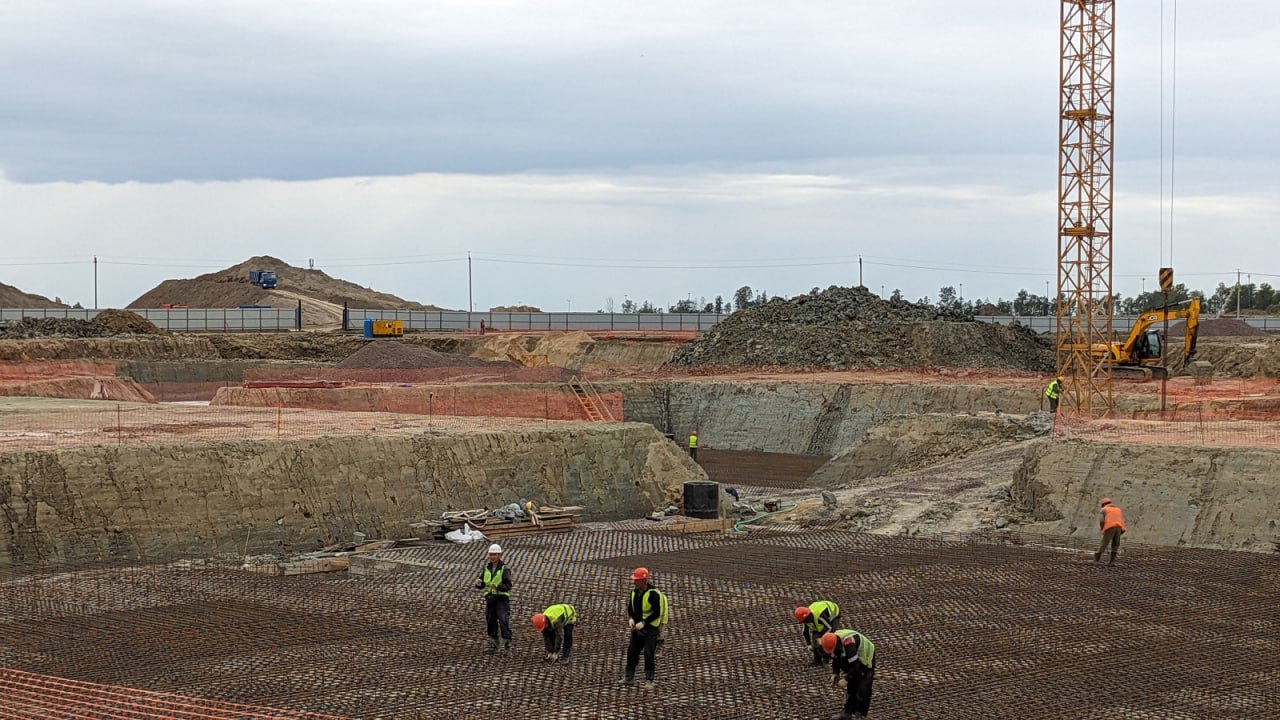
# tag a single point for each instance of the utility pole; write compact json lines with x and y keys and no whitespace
{"x":1237,"y":293}
{"x":961,"y":292}
{"x":860,"y":272}
{"x":95,"y":282}
{"x":470,"y":305}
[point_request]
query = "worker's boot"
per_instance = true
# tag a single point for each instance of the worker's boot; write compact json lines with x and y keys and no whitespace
{"x":1097,"y":556}
{"x":492,"y":647}
{"x":1113,"y":559}
{"x":506,"y":649}
{"x":564,"y":658}
{"x":842,"y":715}
{"x":628,"y":679}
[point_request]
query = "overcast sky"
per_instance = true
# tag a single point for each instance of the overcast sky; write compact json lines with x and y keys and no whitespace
{"x":586,"y":150}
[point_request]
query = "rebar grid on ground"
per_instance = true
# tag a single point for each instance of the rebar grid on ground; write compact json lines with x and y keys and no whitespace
{"x":964,"y":628}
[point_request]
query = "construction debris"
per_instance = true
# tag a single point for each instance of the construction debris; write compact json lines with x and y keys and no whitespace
{"x":504,"y":522}
{"x":846,"y":328}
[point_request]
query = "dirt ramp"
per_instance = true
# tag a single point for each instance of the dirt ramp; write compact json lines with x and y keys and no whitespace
{"x":899,"y":444}
{"x":1207,"y":497}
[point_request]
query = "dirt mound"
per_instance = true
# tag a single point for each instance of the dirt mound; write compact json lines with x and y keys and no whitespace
{"x":391,"y":354}
{"x":1219,"y":327}
{"x":12,"y":297}
{"x":105,"y":324}
{"x":516,"y":308}
{"x":846,"y":328}
{"x":231,"y":288}
{"x":1254,"y":358}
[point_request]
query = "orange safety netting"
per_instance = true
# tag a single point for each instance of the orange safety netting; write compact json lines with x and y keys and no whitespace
{"x":25,"y":696}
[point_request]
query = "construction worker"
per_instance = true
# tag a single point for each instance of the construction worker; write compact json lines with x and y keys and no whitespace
{"x":853,"y":655}
{"x":646,"y":609}
{"x":495,"y":581}
{"x":818,"y":619}
{"x":1111,"y":523}
{"x":556,"y":624}
{"x":1052,"y":392}
{"x":693,"y":445}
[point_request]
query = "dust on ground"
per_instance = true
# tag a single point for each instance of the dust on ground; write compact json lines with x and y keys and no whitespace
{"x":842,"y":328}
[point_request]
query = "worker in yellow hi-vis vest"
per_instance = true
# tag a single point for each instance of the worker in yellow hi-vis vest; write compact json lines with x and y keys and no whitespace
{"x":693,"y":445}
{"x":1052,"y":392}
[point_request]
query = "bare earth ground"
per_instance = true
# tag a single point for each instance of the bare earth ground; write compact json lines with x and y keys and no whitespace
{"x":43,"y":423}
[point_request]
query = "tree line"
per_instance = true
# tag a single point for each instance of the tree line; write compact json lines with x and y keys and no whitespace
{"x":1251,"y":298}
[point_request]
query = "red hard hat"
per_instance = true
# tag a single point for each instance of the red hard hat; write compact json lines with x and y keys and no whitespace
{"x":640,"y":574}
{"x":539,"y":622}
{"x":802,"y":614}
{"x":1105,"y":502}
{"x":829,"y":641}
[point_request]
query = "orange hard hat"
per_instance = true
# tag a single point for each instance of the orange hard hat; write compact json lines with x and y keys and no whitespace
{"x":1105,"y":502}
{"x":829,"y":641}
{"x":640,"y":574}
{"x":539,"y":622}
{"x":802,"y":614}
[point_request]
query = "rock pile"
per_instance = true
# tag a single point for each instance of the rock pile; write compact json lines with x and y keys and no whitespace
{"x":104,"y":324}
{"x":844,"y":328}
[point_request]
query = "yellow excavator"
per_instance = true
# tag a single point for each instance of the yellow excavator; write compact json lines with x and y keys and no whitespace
{"x":1139,"y":356}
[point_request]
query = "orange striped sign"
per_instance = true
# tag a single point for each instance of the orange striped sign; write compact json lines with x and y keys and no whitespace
{"x":1166,"y":279}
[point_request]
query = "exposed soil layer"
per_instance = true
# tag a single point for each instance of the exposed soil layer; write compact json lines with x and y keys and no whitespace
{"x":395,"y":354}
{"x":842,"y":328}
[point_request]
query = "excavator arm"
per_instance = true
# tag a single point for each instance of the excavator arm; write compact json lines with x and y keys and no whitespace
{"x":1137,"y":347}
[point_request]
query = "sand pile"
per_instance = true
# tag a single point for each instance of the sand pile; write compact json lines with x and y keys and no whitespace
{"x":104,"y":324}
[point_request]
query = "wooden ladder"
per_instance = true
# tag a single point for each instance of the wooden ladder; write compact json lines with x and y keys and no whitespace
{"x":589,"y":398}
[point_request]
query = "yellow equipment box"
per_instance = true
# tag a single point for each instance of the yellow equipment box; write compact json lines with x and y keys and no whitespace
{"x":388,"y":328}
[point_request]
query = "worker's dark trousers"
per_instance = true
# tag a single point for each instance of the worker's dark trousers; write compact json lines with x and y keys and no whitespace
{"x":1053,"y":405}
{"x":549,"y":640}
{"x":857,"y":696}
{"x":693,"y":453}
{"x":497,"y":616}
{"x":1110,"y":537}
{"x":647,"y":640}
{"x":811,"y":638}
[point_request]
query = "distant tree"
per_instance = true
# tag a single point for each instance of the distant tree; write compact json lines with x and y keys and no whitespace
{"x":608,"y":304}
{"x":742,"y":298}
{"x":628,"y":305}
{"x":647,"y":307}
{"x":708,"y":308}
{"x":1265,"y":297}
{"x":947,"y":297}
{"x":78,"y":306}
{"x":896,"y":296}
{"x":719,"y":306}
{"x":683,"y":306}
{"x":762,"y":298}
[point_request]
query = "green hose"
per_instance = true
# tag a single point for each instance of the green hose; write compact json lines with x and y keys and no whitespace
{"x":738,"y":526}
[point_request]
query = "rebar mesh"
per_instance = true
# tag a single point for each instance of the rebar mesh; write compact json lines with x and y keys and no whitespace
{"x":965,"y":627}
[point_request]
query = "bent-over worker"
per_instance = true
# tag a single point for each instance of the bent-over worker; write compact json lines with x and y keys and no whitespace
{"x":854,"y":656}
{"x":818,"y":619}
{"x":1111,"y":523}
{"x":556,"y":624}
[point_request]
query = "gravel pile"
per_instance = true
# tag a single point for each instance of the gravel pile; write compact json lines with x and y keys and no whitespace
{"x":382,"y":354}
{"x":104,"y":324}
{"x":1217,"y":327}
{"x":844,"y":328}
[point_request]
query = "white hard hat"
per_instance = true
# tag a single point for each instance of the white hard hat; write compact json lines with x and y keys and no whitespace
{"x":495,"y":549}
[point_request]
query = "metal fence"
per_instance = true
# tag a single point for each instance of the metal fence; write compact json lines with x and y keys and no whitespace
{"x":181,"y":319}
{"x":1120,"y":323}
{"x":458,"y":321}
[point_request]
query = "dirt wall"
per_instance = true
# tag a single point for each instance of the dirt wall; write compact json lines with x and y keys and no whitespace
{"x":805,"y":418}
{"x":1227,"y":498}
{"x":281,"y":495}
{"x":545,"y":401}
{"x":912,"y":442}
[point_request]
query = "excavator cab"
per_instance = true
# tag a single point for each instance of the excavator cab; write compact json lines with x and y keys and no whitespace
{"x":1148,"y":346}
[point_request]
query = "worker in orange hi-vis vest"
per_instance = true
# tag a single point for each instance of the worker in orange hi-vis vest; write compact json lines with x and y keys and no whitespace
{"x":1112,"y":525}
